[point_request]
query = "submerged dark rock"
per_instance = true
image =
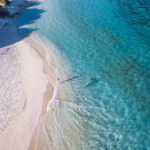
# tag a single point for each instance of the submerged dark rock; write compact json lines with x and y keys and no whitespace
{"x":4,"y":12}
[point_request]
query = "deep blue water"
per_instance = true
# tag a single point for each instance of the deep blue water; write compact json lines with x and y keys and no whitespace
{"x":109,"y":40}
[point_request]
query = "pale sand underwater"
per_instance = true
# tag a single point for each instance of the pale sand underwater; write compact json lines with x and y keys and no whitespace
{"x":57,"y":124}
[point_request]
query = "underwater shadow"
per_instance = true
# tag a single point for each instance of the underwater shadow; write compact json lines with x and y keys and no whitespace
{"x":70,"y":79}
{"x":91,"y":83}
{"x":12,"y":33}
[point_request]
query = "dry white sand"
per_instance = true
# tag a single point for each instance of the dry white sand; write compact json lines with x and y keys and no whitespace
{"x":24,"y":93}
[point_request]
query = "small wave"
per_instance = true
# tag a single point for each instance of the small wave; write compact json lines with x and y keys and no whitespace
{"x":53,"y":103}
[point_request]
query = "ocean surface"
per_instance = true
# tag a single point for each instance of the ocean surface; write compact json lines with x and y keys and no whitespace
{"x":104,"y":39}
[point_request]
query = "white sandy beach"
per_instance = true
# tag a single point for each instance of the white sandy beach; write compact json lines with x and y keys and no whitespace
{"x":24,"y":93}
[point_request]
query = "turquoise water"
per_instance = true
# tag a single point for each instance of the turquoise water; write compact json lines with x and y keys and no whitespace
{"x":109,"y":40}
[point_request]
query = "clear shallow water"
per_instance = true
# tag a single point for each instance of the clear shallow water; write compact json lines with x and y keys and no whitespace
{"x":108,"y":40}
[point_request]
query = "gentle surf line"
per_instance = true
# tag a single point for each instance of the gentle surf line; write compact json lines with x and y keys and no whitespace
{"x":53,"y":99}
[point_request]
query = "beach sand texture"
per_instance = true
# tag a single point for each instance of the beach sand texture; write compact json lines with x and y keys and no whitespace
{"x":24,"y":92}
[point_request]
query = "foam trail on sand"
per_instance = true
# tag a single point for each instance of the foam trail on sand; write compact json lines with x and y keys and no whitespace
{"x":53,"y":102}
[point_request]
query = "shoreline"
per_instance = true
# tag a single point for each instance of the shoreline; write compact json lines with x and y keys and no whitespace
{"x":36,"y":86}
{"x":48,"y":96}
